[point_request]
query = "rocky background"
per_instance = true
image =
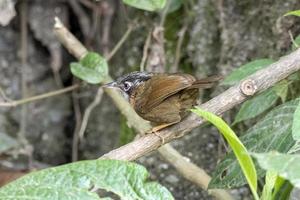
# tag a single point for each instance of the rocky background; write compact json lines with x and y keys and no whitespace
{"x":216,"y":37}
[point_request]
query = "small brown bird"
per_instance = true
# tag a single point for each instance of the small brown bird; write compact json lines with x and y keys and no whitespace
{"x":163,"y":99}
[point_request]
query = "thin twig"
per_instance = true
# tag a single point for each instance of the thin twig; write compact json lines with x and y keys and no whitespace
{"x":82,"y":17}
{"x":165,"y":13}
{"x":120,"y":43}
{"x":88,"y":111}
{"x":181,"y":35}
{"x":38,"y":97}
{"x":145,"y":51}
{"x":292,"y":39}
{"x":78,"y":121}
{"x":191,"y":172}
{"x":108,"y":12}
{"x":3,"y":96}
{"x":24,"y":34}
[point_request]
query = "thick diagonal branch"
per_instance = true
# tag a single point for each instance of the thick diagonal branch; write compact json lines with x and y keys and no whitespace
{"x":235,"y":95}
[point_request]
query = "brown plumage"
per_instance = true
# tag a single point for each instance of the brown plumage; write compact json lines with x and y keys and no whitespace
{"x":162,"y":98}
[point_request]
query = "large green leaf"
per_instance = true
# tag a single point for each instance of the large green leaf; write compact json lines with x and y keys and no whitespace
{"x":273,"y":132}
{"x":296,"y":124}
{"x":80,"y":180}
{"x":92,"y":68}
{"x":285,"y":165}
{"x":246,"y":70}
{"x":256,"y":105}
{"x":295,"y":13}
{"x":6,"y":142}
{"x":237,"y":147}
{"x":149,"y":5}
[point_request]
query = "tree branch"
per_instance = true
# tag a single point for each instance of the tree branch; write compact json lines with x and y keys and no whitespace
{"x":14,"y":103}
{"x":235,"y":95}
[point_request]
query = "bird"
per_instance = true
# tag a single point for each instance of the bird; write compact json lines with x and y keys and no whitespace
{"x":163,"y":99}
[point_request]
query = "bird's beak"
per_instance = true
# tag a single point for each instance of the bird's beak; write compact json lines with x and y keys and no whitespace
{"x":111,"y":85}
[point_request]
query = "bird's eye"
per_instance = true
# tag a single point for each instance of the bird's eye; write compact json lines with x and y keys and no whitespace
{"x":127,"y":85}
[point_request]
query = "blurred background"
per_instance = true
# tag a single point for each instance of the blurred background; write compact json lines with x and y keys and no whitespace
{"x":201,"y":37}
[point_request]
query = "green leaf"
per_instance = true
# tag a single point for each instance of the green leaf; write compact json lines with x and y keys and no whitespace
{"x":256,"y":105}
{"x":237,"y":146}
{"x":285,"y":165}
{"x":296,"y":124}
{"x":271,"y":178}
{"x":273,"y":132}
{"x":295,"y":13}
{"x":281,"y":89}
{"x":149,"y":5}
{"x":6,"y":142}
{"x":246,"y":70}
{"x":80,"y":180}
{"x":92,"y":68}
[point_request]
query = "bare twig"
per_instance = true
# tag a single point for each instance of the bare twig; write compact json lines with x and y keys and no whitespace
{"x":78,"y":121}
{"x":69,"y":41}
{"x":145,"y":51}
{"x":165,"y":13}
{"x":88,"y":111}
{"x":38,"y":97}
{"x":3,"y":95}
{"x":108,"y":12}
{"x":181,"y":35}
{"x":24,"y":33}
{"x":82,"y":17}
{"x":88,"y":4}
{"x":292,"y":39}
{"x":120,"y":43}
{"x":56,"y":62}
{"x":191,"y":171}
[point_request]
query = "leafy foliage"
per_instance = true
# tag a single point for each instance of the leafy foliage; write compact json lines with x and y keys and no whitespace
{"x":149,"y":5}
{"x":287,"y":166}
{"x":6,"y":142}
{"x":246,"y":70}
{"x":273,"y":132}
{"x":241,"y":153}
{"x":256,"y":105}
{"x":80,"y":180}
{"x":92,"y":68}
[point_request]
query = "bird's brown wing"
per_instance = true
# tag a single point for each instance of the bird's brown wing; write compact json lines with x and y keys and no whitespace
{"x":160,"y":87}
